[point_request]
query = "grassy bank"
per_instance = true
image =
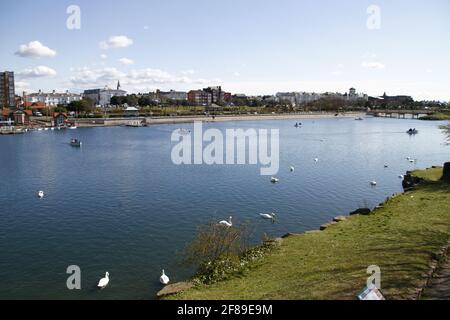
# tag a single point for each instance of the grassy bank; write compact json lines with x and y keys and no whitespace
{"x":400,"y":238}
{"x":438,"y":116}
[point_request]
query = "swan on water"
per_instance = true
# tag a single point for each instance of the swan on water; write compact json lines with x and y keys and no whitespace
{"x":41,"y":194}
{"x":268,"y":216}
{"x":274,"y":180}
{"x":164,"y":279}
{"x":316,"y":160}
{"x":226,"y":223}
{"x":373,"y":183}
{"x":103,"y":281}
{"x":292,"y":169}
{"x":401,"y":176}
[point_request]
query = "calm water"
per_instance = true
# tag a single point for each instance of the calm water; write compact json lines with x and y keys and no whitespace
{"x":118,"y":204}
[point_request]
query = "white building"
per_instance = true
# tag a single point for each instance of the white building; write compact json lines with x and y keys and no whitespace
{"x":53,"y":99}
{"x":102,"y":97}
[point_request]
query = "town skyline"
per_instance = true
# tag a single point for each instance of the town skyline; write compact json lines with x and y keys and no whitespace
{"x":314,"y":53}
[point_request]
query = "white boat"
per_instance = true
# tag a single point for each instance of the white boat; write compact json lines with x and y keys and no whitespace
{"x":373,"y":183}
{"x":73,"y":128}
{"x":41,"y":194}
{"x":274,"y":180}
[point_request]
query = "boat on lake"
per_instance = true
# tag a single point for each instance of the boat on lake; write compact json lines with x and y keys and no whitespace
{"x":412,"y":131}
{"x":75,"y":143}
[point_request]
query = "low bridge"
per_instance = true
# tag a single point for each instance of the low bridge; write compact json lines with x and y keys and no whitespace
{"x":414,"y":114}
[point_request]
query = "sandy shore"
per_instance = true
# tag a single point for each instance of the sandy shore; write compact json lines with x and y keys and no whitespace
{"x":221,"y":118}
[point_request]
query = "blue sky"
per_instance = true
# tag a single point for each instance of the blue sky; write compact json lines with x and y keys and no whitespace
{"x":247,"y":46}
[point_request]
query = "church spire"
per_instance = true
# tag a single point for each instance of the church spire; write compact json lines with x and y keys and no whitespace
{"x":118,"y":85}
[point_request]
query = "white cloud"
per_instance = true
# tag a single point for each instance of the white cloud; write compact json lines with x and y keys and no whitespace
{"x":126,"y":61}
{"x":116,"y":42}
{"x":103,"y":56}
{"x":139,"y":80}
{"x":188,"y":72}
{"x":429,"y":70}
{"x":21,"y":86}
{"x":375,"y":65}
{"x":37,"y":72}
{"x":236,"y":74}
{"x":35,"y":49}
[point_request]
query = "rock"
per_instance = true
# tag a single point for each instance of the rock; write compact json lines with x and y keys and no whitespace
{"x":312,"y":231}
{"x":410,"y":181}
{"x":361,"y":211}
{"x":446,"y":175}
{"x":175,"y":288}
{"x":287,"y":235}
{"x":327,"y":225}
{"x":340,"y":219}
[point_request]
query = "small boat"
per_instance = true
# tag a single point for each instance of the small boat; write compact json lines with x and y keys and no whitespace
{"x":373,"y":183}
{"x":401,"y":177}
{"x":41,"y":194}
{"x":412,"y":131}
{"x":274,"y":180}
{"x":359,"y":119}
{"x":75,"y":143}
{"x":292,"y":169}
{"x":73,"y":128}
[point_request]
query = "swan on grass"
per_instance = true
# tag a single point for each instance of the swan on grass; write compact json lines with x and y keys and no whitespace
{"x":164,"y":279}
{"x":103,"y":282}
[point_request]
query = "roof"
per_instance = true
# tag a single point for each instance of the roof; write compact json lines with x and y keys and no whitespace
{"x":35,"y":105}
{"x":57,"y":114}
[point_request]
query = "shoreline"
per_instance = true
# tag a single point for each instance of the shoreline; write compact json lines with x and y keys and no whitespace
{"x":220,"y":118}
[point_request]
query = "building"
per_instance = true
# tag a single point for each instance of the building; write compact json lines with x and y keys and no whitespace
{"x":22,"y":118}
{"x":171,"y":95}
{"x":218,"y":95}
{"x":102,"y":97}
{"x":7,"y":91}
{"x":199,"y":98}
{"x":391,"y":101}
{"x":52,"y":99}
{"x":59,"y":119}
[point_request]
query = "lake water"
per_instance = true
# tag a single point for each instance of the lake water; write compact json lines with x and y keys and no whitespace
{"x":119,"y":204}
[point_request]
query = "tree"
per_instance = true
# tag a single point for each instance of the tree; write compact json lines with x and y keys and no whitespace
{"x":84,"y":105}
{"x":216,"y":249}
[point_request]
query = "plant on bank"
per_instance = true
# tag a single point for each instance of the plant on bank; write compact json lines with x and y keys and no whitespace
{"x":216,"y":252}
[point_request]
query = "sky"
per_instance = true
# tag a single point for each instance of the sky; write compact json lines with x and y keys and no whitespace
{"x":247,"y":46}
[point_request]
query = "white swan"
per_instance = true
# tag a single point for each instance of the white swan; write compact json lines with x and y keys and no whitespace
{"x":274,"y":180}
{"x":268,"y":216}
{"x":316,"y":160}
{"x":41,"y":194}
{"x":226,"y":223}
{"x":292,"y":169}
{"x":401,"y":176}
{"x":164,"y":279}
{"x":103,"y":281}
{"x":373,"y":183}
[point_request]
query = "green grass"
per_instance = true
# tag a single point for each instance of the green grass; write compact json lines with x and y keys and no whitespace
{"x":400,"y":238}
{"x":437,"y":116}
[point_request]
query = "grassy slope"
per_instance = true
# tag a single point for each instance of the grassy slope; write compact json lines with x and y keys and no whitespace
{"x":400,"y":239}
